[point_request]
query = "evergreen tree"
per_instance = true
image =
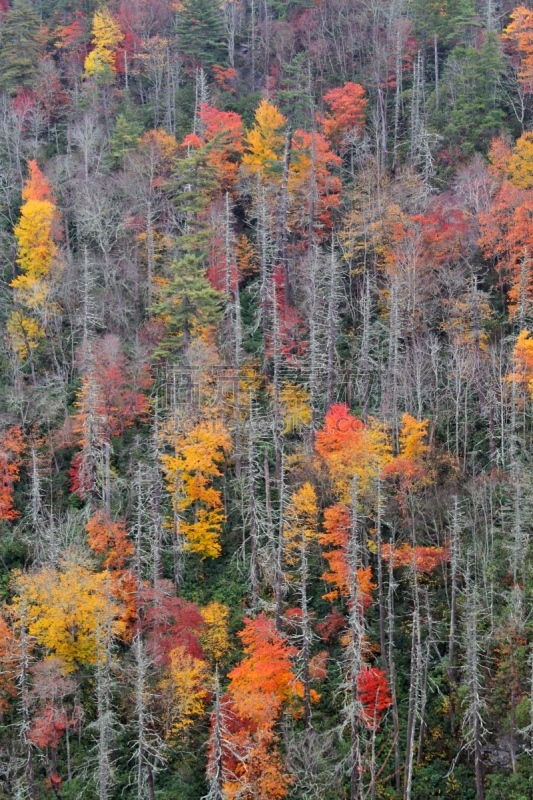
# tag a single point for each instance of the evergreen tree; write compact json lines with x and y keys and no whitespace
{"x":201,"y":32}
{"x":21,"y":47}
{"x":475,"y":113}
{"x":187,"y":301}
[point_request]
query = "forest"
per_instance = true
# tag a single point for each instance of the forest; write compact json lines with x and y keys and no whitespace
{"x":266,"y":400}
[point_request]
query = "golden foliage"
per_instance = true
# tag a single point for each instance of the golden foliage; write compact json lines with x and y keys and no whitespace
{"x":107,"y":37}
{"x":189,"y":472}
{"x":264,"y":142}
{"x":68,"y":611}
{"x":215,"y":640}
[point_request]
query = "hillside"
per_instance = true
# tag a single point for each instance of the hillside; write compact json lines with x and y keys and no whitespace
{"x":266,"y":395}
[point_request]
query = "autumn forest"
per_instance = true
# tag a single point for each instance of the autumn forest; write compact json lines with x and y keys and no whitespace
{"x":266,"y":400}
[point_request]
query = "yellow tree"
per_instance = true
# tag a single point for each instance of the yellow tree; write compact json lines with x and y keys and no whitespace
{"x":214,"y":639}
{"x":520,"y":163}
{"x":107,"y":37}
{"x":189,"y":473}
{"x":300,"y":531}
{"x":184,"y":692}
{"x":264,"y":142}
{"x":67,"y":610}
{"x":37,"y":258}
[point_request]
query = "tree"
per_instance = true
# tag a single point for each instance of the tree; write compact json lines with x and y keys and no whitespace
{"x":66,"y":609}
{"x":264,"y":142}
{"x":38,"y":259}
{"x":260,"y":686}
{"x":107,"y":38}
{"x":12,"y":446}
{"x":473,"y":81}
{"x":189,"y":472}
{"x":335,"y":542}
{"x":350,"y":447}
{"x":201,"y":32}
{"x":346,"y":118}
{"x":22,"y":47}
{"x":518,"y":35}
{"x":185,"y":691}
{"x":374,"y":694}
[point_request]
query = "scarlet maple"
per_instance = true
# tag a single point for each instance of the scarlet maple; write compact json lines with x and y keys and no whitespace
{"x":374,"y":694}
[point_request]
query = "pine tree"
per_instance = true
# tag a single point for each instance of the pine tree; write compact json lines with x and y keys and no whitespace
{"x":201,"y":32}
{"x":21,"y":47}
{"x":187,"y":302}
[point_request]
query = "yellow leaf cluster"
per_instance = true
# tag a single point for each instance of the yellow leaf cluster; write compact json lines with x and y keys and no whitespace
{"x":185,"y":691}
{"x":107,"y":37}
{"x":264,"y":142}
{"x":36,"y":251}
{"x":301,"y":522}
{"x":68,"y":611}
{"x":523,"y":362}
{"x":520,"y":164}
{"x":215,"y":639}
{"x":24,"y":333}
{"x":295,"y":405}
{"x":189,"y":473}
{"x":412,"y":438}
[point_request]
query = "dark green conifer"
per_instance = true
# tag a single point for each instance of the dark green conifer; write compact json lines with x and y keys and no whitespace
{"x":201,"y":32}
{"x":21,"y":47}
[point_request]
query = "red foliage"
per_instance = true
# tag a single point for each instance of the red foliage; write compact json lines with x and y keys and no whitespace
{"x":11,"y":448}
{"x":374,"y":694}
{"x":332,"y":625}
{"x":48,"y":727}
{"x":444,"y":232}
{"x":224,"y":77}
{"x":109,"y":402}
{"x":291,"y":328}
{"x":340,"y":430}
{"x":170,"y":622}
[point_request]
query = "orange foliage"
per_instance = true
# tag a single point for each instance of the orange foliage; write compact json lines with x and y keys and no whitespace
{"x":409,"y":464}
{"x":506,"y":229}
{"x":311,"y":181}
{"x":222,"y":135}
{"x":37,"y":186}
{"x":264,"y":680}
{"x":11,"y":448}
{"x":259,"y":687}
{"x":523,"y":362}
{"x":110,"y":539}
{"x":423,"y":559}
{"x":352,"y":448}
{"x":337,"y":524}
{"x":518,"y":36}
{"x":347,"y":106}
{"x":8,"y":669}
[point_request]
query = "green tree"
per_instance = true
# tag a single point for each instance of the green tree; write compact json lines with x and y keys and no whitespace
{"x":475,"y":112}
{"x":201,"y":32}
{"x":452,"y":21}
{"x":187,"y":302}
{"x":21,"y":47}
